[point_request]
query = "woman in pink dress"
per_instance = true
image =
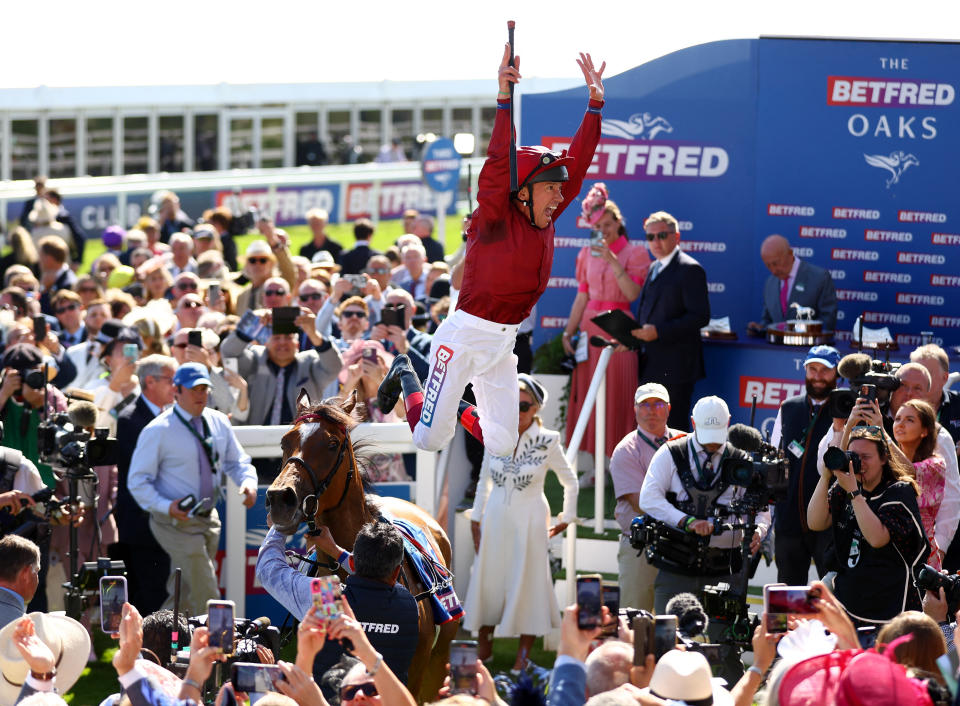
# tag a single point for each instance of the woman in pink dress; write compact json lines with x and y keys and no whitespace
{"x":915,"y":429}
{"x":610,"y":276}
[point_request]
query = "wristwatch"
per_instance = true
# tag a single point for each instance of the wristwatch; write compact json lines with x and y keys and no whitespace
{"x":854,"y":493}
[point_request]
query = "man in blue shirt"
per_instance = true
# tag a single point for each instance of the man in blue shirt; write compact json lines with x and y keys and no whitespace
{"x":19,"y":576}
{"x":177,"y":475}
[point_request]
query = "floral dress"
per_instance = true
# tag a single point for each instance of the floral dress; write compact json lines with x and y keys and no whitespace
{"x":931,"y":477}
{"x":511,"y":586}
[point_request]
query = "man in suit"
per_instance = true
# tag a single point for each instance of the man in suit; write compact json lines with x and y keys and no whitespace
{"x":276,"y":372}
{"x":413,"y":278}
{"x":801,"y":421}
{"x":793,"y":281}
{"x":673,"y":306}
{"x":148,"y":565}
{"x":354,"y":260}
{"x":55,"y":272}
{"x":85,"y":356}
{"x":19,"y":576}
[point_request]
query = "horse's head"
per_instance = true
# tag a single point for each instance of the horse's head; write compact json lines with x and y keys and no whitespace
{"x":315,"y":450}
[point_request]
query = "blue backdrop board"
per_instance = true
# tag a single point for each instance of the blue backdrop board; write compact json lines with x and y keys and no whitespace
{"x":844,"y":147}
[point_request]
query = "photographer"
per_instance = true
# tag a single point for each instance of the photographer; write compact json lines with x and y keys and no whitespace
{"x":867,"y":496}
{"x":407,"y":340}
{"x":685,"y":473}
{"x":22,"y":394}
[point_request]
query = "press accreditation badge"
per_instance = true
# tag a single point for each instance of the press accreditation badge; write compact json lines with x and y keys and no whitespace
{"x":796,"y":448}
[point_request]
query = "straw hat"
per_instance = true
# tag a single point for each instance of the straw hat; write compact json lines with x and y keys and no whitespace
{"x":66,"y":638}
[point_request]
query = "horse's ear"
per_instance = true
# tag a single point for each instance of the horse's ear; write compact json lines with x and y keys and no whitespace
{"x":303,"y":401}
{"x":350,"y":402}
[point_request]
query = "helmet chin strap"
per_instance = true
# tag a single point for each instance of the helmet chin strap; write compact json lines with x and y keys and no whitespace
{"x":528,"y":203}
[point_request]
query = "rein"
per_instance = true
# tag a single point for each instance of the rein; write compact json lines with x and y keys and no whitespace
{"x":311,"y":502}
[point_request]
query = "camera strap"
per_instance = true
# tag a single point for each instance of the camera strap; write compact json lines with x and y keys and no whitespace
{"x":205,"y":441}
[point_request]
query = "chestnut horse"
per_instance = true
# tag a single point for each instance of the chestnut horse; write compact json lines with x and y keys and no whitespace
{"x":319,"y":470}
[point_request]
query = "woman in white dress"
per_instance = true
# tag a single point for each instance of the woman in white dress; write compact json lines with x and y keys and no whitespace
{"x":511,"y":588}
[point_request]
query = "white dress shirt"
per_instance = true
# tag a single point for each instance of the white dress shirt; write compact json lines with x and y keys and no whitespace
{"x":662,"y":477}
{"x":164,"y":464}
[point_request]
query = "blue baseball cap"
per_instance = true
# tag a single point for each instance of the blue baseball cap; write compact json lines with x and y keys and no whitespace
{"x":825,"y":355}
{"x":191,"y":374}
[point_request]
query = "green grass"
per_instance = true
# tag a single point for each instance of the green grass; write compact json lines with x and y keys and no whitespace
{"x":386,"y":234}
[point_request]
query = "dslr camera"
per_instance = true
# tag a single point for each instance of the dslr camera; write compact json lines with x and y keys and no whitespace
{"x":836,"y":459}
{"x":929,"y":579}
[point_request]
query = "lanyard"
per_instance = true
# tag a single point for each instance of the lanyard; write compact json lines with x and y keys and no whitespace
{"x":696,"y":460}
{"x":205,"y":443}
{"x":649,"y":443}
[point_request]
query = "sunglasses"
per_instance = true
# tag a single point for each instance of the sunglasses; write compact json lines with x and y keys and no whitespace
{"x":87,"y":290}
{"x":526,"y":406}
{"x":378,"y":270}
{"x":68,"y":307}
{"x":190,"y":305}
{"x":352,"y":314}
{"x":662,"y":235}
{"x":187,"y":285}
{"x":871,"y":430}
{"x":348,"y":693}
{"x":180,"y":345}
{"x":258,"y":260}
{"x":274,"y":293}
{"x":312,"y":296}
{"x":658,"y":405}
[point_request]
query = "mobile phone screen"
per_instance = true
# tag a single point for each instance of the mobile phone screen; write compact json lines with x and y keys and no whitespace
{"x":220,"y":625}
{"x":326,"y":597}
{"x":463,"y":667}
{"x":664,"y":634}
{"x":780,"y":602}
{"x":39,"y":328}
{"x":611,"y":599}
{"x":589,"y":601}
{"x":113,"y":594}
{"x":195,"y":338}
{"x":250,"y":677}
{"x":282,"y":318}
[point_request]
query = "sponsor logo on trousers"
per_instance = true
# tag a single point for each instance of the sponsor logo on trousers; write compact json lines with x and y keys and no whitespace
{"x":434,"y":385}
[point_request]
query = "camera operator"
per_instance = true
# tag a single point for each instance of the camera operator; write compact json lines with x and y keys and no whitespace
{"x":687,"y":497}
{"x":867,"y":496}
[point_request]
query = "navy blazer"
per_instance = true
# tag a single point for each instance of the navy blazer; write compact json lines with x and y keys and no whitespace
{"x":677,"y":303}
{"x":354,"y":261}
{"x":133,"y":525}
{"x":813,"y":287}
{"x":568,"y":685}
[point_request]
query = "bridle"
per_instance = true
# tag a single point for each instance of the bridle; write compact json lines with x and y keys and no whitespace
{"x":309,"y":505}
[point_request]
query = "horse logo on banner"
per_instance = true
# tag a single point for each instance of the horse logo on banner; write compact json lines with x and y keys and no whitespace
{"x":639,"y":126}
{"x":896,"y":164}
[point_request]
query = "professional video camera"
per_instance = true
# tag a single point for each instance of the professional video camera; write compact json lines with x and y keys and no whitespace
{"x":763,"y":476}
{"x":243,"y":222}
{"x":862,"y":370}
{"x":929,"y":579}
{"x":65,"y":444}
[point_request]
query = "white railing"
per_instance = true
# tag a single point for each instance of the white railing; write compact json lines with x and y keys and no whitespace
{"x":264,"y":442}
{"x":595,"y":401}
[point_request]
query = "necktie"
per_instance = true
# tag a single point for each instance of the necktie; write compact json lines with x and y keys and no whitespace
{"x":206,"y":473}
{"x":278,"y":398}
{"x":784,"y":291}
{"x":654,"y":271}
{"x":660,"y":441}
{"x":708,"y":470}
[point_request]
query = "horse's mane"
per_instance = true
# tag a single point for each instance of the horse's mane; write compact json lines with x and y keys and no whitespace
{"x":331,"y":410}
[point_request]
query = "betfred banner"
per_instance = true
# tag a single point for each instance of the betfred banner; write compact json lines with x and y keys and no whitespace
{"x":659,"y":151}
{"x":863,"y":136}
{"x":846,"y":148}
{"x":285,"y":205}
{"x":394,"y":198}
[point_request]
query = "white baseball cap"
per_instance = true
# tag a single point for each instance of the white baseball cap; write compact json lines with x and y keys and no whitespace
{"x":711,"y":418}
{"x":651,"y":389}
